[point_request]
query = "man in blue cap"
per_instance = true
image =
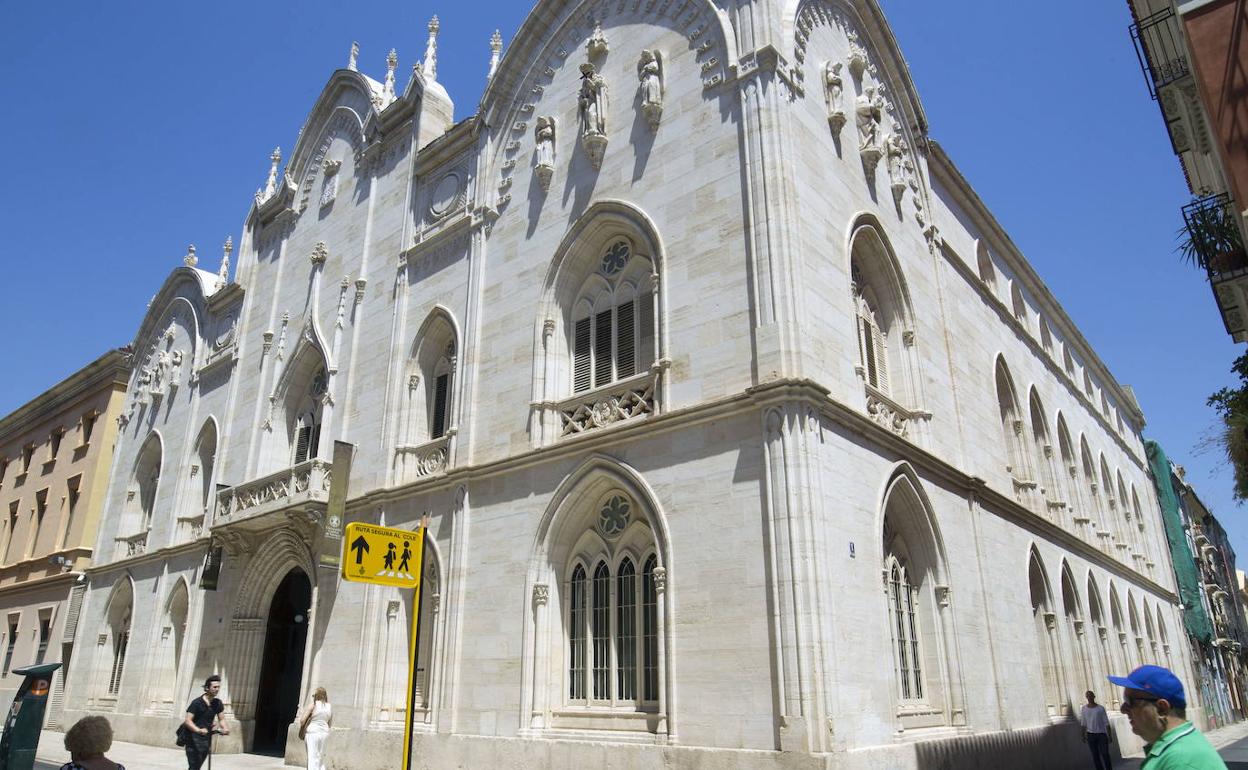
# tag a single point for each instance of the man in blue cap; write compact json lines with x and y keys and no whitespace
{"x":1154,"y":702}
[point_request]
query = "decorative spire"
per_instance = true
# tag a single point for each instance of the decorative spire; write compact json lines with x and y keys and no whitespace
{"x":190,"y":260}
{"x":355,"y":54}
{"x":270,"y":187}
{"x":223,"y":275}
{"x":431,"y":50}
{"x":392,"y":61}
{"x":496,"y":45}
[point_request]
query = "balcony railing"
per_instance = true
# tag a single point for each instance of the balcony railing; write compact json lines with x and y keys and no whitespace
{"x":1213,"y":237}
{"x":131,"y":545}
{"x":307,"y":481}
{"x":1160,"y":49}
{"x":412,"y":462}
{"x":624,"y":400}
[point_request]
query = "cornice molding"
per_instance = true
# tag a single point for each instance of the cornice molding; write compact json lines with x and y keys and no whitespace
{"x":111,"y":370}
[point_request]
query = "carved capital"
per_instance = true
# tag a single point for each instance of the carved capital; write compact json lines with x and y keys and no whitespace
{"x":541,"y":594}
{"x":660,"y":579}
{"x":943,"y":595}
{"x":320,"y":252}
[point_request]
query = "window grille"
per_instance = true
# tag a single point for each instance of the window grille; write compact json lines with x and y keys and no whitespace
{"x":440,"y":391}
{"x":576,"y":635}
{"x":649,"y":634}
{"x":903,"y":608}
{"x":601,"y":631}
{"x":120,"y":643}
{"x":626,"y":632}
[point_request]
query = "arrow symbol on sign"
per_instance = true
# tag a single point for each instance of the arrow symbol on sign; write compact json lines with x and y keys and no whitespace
{"x":360,"y":546}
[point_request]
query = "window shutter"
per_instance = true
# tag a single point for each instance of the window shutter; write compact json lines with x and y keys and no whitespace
{"x":439,"y":406}
{"x":625,"y":342}
{"x":581,"y":357}
{"x":314,"y":440}
{"x":881,"y":358}
{"x":301,"y":443}
{"x":645,"y":331}
{"x":602,"y":348}
{"x":72,"y":614}
{"x":868,"y":352}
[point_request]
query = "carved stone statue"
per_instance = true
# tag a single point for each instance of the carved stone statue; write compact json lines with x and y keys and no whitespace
{"x":857,"y":55}
{"x":834,"y":89}
{"x":544,"y":136}
{"x":592,"y":110}
{"x":895,"y":149}
{"x":649,"y":72}
{"x":869,"y":108}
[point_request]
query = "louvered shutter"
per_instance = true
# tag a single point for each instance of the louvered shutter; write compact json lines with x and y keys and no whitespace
{"x":72,"y":612}
{"x":602,"y":348}
{"x":581,"y":356}
{"x":881,"y":358}
{"x":301,"y":443}
{"x":645,"y":331}
{"x":625,"y":342}
{"x":868,"y":352}
{"x":440,"y":389}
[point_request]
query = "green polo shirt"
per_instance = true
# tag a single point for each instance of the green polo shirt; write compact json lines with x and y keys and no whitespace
{"x":1182,"y":748}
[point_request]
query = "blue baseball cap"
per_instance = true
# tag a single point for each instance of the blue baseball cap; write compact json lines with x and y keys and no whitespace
{"x":1155,"y":680}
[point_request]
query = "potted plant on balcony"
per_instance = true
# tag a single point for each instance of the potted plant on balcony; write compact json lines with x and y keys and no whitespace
{"x":1210,"y":239}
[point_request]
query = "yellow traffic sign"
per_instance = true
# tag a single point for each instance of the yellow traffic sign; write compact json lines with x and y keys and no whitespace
{"x":382,"y":555}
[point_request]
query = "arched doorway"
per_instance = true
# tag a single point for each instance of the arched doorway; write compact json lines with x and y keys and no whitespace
{"x":281,"y":668}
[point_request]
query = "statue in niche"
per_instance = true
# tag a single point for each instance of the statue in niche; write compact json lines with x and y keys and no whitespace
{"x":592,"y":110}
{"x":544,"y":136}
{"x":649,"y":72}
{"x":833,"y":90}
{"x":895,"y":150}
{"x":175,"y":368}
{"x":869,"y":109}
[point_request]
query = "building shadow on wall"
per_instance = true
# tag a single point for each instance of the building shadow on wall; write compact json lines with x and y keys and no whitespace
{"x":1053,"y":747}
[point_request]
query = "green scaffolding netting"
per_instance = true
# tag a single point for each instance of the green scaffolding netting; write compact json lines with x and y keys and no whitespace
{"x":1195,"y":620}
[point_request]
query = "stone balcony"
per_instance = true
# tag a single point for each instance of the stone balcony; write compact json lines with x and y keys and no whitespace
{"x":305,"y":485}
{"x":628,"y":399}
{"x":415,"y":461}
{"x":129,"y":546}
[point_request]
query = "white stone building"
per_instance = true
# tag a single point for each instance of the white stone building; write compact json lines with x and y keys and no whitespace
{"x":746,"y":434}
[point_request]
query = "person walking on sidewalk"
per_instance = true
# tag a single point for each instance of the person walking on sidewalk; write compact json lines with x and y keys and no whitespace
{"x":200,"y":717}
{"x":314,"y":728}
{"x":1155,"y":704}
{"x":1095,"y":723}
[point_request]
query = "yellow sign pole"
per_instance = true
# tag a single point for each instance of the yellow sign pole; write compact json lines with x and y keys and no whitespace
{"x":413,"y":648}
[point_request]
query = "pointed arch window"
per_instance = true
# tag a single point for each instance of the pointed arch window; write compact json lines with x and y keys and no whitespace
{"x":308,"y":425}
{"x":872,"y":338}
{"x":613,"y":320}
{"x":903,"y":624}
{"x":612,"y":615}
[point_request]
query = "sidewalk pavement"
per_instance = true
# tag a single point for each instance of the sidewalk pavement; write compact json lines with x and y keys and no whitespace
{"x":1231,"y":742}
{"x":136,"y":756}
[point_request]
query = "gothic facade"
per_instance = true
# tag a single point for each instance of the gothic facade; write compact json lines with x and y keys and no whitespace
{"x":742,"y":427}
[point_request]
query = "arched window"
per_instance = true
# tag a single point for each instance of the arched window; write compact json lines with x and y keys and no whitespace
{"x":206,"y":455}
{"x":1068,"y":361}
{"x":1128,"y":529}
{"x":987,"y":274}
{"x":1107,"y":491}
{"x":1140,"y":526}
{"x":1151,"y":634}
{"x":1096,"y":510}
{"x":1133,"y":616}
{"x":611,"y":613}
{"x":882,"y":318}
{"x":1012,"y":430}
{"x":118,"y":616}
{"x":167,"y":661}
{"x":1046,"y":336}
{"x":920,"y":621}
{"x":140,"y":503}
{"x":1104,"y":666}
{"x":307,"y":434}
{"x":872,"y":340}
{"x":1019,"y":305}
{"x":302,"y":395}
{"x":1069,"y":473}
{"x":1072,"y":609}
{"x":1120,"y":631}
{"x":1042,"y":450}
{"x":902,"y":612}
{"x":1044,"y":621}
{"x":599,"y":654}
{"x":612,"y":331}
{"x":1165,"y":639}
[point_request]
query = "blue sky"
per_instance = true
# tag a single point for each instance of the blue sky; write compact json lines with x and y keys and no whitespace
{"x":134,"y":129}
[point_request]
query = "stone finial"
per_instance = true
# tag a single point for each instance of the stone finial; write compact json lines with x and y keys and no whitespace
{"x":223,"y":275}
{"x":270,"y":187}
{"x":431,"y":50}
{"x":319,"y":253}
{"x":355,"y":55}
{"x":496,"y":47}
{"x":190,"y":260}
{"x":392,"y":61}
{"x":597,"y":44}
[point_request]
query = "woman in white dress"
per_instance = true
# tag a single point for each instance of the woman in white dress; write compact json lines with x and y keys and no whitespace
{"x":315,"y":725}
